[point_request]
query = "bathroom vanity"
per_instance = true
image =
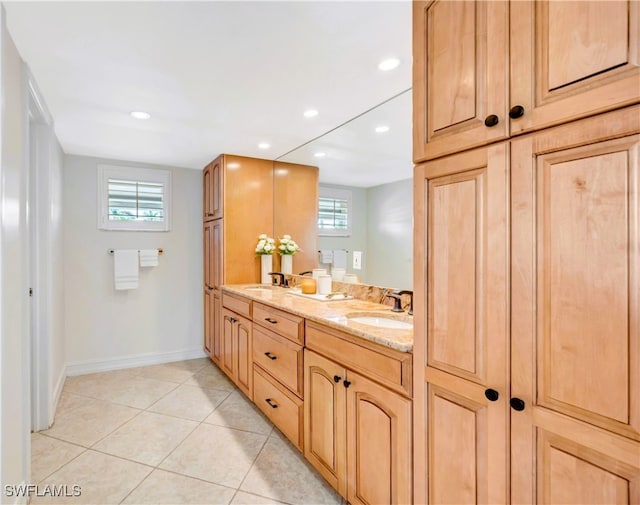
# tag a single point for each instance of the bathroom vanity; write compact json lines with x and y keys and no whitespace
{"x":334,"y":376}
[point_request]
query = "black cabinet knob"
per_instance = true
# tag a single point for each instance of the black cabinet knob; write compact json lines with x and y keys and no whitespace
{"x":347,"y":384}
{"x":516,"y":404}
{"x":516,"y":111}
{"x":337,"y":378}
{"x":491,"y":120}
{"x":492,"y":395}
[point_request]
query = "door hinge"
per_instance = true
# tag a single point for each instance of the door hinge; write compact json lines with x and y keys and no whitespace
{"x":30,"y":291}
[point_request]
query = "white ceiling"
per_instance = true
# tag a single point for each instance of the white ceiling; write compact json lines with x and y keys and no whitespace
{"x":215,"y":76}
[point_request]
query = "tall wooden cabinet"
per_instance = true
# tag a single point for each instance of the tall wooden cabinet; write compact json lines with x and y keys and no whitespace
{"x":511,"y":67}
{"x":527,"y":253}
{"x":242,"y":198}
{"x":233,"y":188}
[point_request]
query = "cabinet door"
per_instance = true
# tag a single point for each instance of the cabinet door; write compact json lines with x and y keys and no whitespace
{"x":243,"y":337}
{"x":216,"y":328}
{"x":379,"y":448}
{"x":573,"y":59}
{"x":324,"y":418}
{"x":576,"y":312}
{"x":216,"y":206}
{"x":460,"y":65}
{"x":229,"y":360}
{"x":208,"y":255}
{"x":207,"y":320}
{"x":207,"y":213}
{"x":463,"y":235}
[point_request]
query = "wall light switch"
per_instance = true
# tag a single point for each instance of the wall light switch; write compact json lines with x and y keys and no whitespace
{"x":357,"y":260}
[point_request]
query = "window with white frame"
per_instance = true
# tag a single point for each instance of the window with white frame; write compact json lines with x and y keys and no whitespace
{"x":133,"y":198}
{"x":334,"y":212}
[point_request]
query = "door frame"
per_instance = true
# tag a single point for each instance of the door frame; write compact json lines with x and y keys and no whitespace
{"x":39,"y":125}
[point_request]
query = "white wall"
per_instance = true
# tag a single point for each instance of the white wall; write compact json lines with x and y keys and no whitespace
{"x":383,"y":230}
{"x":390,"y":235}
{"x":162,"y":319}
{"x":14,"y":344}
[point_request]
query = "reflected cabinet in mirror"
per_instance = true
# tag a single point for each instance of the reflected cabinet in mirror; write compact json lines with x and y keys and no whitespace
{"x":367,"y":163}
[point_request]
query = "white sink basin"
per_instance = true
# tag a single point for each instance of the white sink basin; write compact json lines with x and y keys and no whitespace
{"x":382,"y":322}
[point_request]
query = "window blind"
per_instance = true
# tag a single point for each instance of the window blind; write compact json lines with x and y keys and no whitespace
{"x":333,"y":214}
{"x":135,"y":201}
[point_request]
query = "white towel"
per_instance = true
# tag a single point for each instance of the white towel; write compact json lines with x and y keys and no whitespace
{"x":125,"y":268}
{"x":326,"y":256}
{"x":339,"y":258}
{"x":148,"y":257}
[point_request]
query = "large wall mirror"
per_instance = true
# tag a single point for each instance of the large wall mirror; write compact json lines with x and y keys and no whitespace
{"x":370,"y":159}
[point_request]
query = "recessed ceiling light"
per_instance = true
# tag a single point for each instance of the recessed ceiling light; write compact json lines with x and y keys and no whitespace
{"x":264,"y":145}
{"x":310,"y":113}
{"x":138,"y":114}
{"x":389,"y":64}
{"x":382,"y":129}
{"x":320,"y":155}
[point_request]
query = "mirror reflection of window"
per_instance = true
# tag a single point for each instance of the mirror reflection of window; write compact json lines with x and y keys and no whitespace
{"x":334,"y":212}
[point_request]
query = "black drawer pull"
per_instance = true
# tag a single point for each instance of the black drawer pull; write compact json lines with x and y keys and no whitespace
{"x":347,"y":384}
{"x":210,"y":214}
{"x":491,"y":120}
{"x":517,"y":404}
{"x":492,"y":395}
{"x":270,"y":356}
{"x":233,"y":320}
{"x":269,"y":320}
{"x":337,"y":378}
{"x":516,"y":111}
{"x":271,"y":404}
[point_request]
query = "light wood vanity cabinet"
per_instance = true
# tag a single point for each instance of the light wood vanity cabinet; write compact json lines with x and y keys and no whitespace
{"x":236,"y":342}
{"x":357,"y":432}
{"x":511,"y":67}
{"x":278,"y":339}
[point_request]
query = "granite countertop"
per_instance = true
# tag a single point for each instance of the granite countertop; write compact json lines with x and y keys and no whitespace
{"x":332,"y":313}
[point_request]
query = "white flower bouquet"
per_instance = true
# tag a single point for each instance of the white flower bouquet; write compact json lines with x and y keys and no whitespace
{"x":266,"y":245}
{"x":287,"y":246}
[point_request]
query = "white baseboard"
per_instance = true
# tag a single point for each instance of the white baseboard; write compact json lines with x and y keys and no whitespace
{"x":93,"y":366}
{"x":57,"y":391}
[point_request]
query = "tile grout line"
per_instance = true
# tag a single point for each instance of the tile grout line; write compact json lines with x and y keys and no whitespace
{"x":200,"y":423}
{"x":157,"y":467}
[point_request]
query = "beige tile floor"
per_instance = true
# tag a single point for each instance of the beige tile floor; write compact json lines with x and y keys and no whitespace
{"x":179,"y":433}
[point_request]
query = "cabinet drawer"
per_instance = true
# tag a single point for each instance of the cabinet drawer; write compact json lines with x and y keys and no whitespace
{"x":280,"y":357}
{"x":282,"y":407}
{"x":386,"y":366}
{"x":283,"y":323}
{"x":237,"y":304}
